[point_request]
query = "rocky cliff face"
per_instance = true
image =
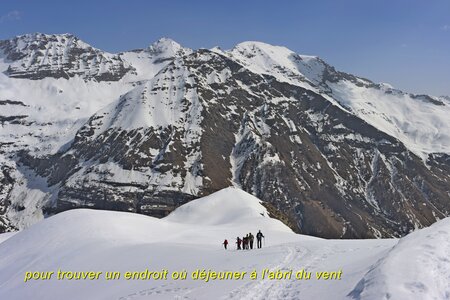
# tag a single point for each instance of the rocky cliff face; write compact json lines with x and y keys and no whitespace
{"x":37,"y":56}
{"x":315,"y":143}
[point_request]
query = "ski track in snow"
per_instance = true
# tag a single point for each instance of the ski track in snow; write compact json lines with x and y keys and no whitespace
{"x":296,"y":258}
{"x":168,"y":290}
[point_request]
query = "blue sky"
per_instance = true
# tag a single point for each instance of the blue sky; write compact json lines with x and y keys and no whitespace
{"x":403,"y":42}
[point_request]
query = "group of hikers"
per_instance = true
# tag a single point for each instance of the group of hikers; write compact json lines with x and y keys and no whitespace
{"x":246,"y":242}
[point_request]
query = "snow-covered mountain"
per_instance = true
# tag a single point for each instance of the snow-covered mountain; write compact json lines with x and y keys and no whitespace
{"x":189,"y":239}
{"x":150,"y":129}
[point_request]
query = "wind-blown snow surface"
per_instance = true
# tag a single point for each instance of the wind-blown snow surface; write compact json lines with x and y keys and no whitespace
{"x":190,"y":238}
{"x":418,"y":267}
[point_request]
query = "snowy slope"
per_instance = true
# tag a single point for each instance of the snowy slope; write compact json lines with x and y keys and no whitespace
{"x":190,"y":239}
{"x":52,"y":109}
{"x":142,"y":107}
{"x":234,"y":206}
{"x":280,"y":62}
{"x":419,"y":121}
{"x":418,"y":267}
{"x":45,"y":114}
{"x":102,"y":240}
{"x":148,"y":62}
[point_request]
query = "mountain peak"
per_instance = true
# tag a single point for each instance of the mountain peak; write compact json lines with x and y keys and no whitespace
{"x":39,"y":41}
{"x":165,"y":45}
{"x":281,"y":62}
{"x":166,"y":41}
{"x":40,"y":35}
{"x":252,"y":48}
{"x":43,"y":37}
{"x":255,"y":48}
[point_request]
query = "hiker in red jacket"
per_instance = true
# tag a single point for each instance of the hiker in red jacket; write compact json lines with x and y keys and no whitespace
{"x":225,"y":244}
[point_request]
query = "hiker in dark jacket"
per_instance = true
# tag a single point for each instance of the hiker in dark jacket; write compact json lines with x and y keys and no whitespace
{"x":225,"y":244}
{"x":259,"y":237}
{"x":238,"y":242}
{"x":244,"y":242}
{"x":250,"y":239}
